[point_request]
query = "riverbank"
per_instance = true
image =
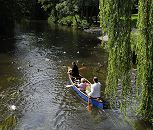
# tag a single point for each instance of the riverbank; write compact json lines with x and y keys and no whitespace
{"x":94,"y":30}
{"x":97,"y":31}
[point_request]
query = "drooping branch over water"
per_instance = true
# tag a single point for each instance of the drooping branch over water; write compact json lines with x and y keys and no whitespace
{"x":116,"y":22}
{"x":145,"y":59}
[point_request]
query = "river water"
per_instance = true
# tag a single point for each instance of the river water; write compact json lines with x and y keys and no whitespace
{"x":33,"y":66}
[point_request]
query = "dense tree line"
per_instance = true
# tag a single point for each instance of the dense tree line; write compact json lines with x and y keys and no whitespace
{"x":82,"y":13}
{"x":16,"y":10}
{"x":71,"y":12}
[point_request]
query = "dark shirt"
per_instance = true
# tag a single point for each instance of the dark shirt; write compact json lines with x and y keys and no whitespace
{"x":75,"y":71}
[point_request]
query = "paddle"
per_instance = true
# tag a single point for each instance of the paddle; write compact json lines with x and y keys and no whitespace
{"x":82,"y":68}
{"x":68,"y":86}
{"x":89,"y":107}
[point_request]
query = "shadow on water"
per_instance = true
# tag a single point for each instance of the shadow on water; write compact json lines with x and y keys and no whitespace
{"x":7,"y":44}
{"x":7,"y":38}
{"x":33,"y":74}
{"x":6,"y":28}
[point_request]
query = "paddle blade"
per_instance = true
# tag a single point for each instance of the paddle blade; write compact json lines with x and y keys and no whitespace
{"x":68,"y":86}
{"x":82,"y":68}
{"x":89,"y":106}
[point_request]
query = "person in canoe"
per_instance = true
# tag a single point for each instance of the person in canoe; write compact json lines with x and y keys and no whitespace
{"x":95,"y":89}
{"x":82,"y":86}
{"x":74,"y":72}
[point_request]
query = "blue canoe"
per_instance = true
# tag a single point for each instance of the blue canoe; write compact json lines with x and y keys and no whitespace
{"x":97,"y":103}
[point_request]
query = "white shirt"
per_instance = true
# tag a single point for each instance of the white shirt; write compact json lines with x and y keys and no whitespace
{"x":95,"y":90}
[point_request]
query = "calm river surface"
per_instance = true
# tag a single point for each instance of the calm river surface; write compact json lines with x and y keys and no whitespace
{"x":33,"y":66}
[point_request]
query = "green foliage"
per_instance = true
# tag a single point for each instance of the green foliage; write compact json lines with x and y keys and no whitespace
{"x":66,"y":20}
{"x":134,"y":20}
{"x":104,"y":14}
{"x":70,"y":12}
{"x":16,"y":8}
{"x":134,"y":40}
{"x":63,"y":9}
{"x":60,"y":11}
{"x":84,"y":24}
{"x":116,"y":22}
{"x":145,"y":59}
{"x":74,"y":21}
{"x":51,"y":19}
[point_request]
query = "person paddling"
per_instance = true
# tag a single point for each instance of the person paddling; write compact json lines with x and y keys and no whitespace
{"x":75,"y":70}
{"x":95,"y":91}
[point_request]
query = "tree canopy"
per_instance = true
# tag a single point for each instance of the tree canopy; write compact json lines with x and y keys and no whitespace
{"x":16,"y":10}
{"x":71,"y":12}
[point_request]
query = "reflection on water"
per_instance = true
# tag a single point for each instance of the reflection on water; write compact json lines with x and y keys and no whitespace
{"x":33,"y":75}
{"x":9,"y":123}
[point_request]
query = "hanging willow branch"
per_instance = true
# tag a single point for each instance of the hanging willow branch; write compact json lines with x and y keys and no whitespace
{"x":116,"y":20}
{"x":145,"y":59}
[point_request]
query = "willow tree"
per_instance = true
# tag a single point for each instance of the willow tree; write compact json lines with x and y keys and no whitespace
{"x":116,"y":22}
{"x":145,"y":59}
